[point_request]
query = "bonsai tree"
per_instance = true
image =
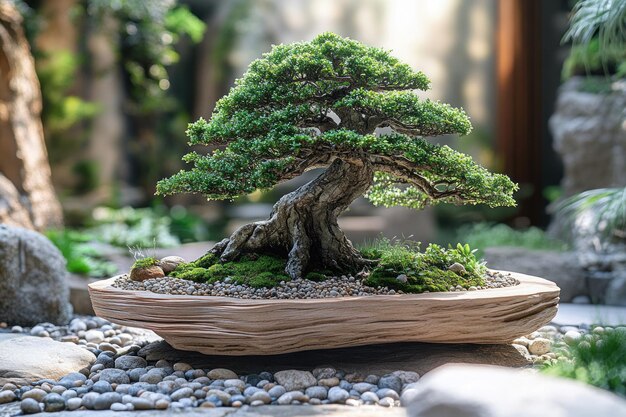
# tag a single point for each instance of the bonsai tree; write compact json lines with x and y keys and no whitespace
{"x":323,"y":104}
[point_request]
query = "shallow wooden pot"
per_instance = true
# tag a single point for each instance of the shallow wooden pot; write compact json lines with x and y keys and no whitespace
{"x":231,"y":326}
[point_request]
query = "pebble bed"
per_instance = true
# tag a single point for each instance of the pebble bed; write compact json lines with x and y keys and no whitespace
{"x":343,"y":286}
{"x":121,"y":379}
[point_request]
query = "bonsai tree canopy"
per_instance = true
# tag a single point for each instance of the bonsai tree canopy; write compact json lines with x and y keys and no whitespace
{"x":320,"y":104}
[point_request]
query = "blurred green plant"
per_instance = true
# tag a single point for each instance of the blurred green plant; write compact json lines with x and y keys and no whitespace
{"x":484,"y":235}
{"x":603,"y":211}
{"x":598,"y":34}
{"x":147,"y":227}
{"x":595,"y":359}
{"x":81,"y":257}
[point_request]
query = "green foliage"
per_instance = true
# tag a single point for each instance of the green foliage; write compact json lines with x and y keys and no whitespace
{"x":255,"y":271}
{"x":128,"y":226}
{"x":586,"y":59}
{"x":148,"y":33}
{"x":598,"y":34}
{"x":484,"y":235}
{"x":145,"y":262}
{"x":425,"y":271}
{"x":147,"y":227}
{"x":81,"y":257}
{"x":604,"y":210}
{"x":451,"y":170}
{"x":596,"y":359}
{"x":275,"y":123}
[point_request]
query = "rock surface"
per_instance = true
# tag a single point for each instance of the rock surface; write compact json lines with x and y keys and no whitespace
{"x":500,"y":392}
{"x":590,"y":136}
{"x":33,"y":279}
{"x":25,"y":359}
{"x":561,"y":268}
{"x":365,"y":360}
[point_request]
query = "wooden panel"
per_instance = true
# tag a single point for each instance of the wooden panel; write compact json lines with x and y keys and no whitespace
{"x":232,"y":326}
{"x":519,"y":99}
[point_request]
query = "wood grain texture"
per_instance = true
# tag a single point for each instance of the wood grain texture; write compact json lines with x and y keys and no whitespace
{"x":232,"y":326}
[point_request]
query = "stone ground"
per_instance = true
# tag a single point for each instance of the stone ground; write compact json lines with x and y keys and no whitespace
{"x":360,"y":361}
{"x":8,"y":410}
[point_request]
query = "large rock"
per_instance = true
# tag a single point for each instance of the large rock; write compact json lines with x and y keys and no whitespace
{"x":25,"y":359}
{"x":490,"y":391}
{"x":33,"y":279}
{"x":561,"y":268}
{"x":590,"y":136}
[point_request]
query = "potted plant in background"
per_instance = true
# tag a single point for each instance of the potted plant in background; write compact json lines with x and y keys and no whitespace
{"x":590,"y":135}
{"x":324,"y":104}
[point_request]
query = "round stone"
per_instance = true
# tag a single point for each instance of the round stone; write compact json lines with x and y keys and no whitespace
{"x":262,"y":396}
{"x":30,"y":406}
{"x":35,"y":393}
{"x":142,"y":404}
{"x":317,"y":392}
{"x":114,"y":376}
{"x":571,"y":336}
{"x":338,"y":395}
{"x":221,"y":373}
{"x":539,"y":346}
{"x":181,"y":393}
{"x":294,"y":380}
{"x":127,"y":362}
{"x":104,"y":401}
{"x":53,"y":402}
{"x":74,"y":403}
{"x":182,"y":366}
{"x":118,"y":407}
{"x":94,"y":336}
{"x":101,"y":387}
{"x":369,"y":397}
{"x":390,"y":381}
{"x":276,"y":391}
{"x":7,"y":396}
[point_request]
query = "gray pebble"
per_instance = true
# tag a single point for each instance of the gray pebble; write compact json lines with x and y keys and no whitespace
{"x":369,"y":397}
{"x":362,"y":387}
{"x":35,"y":393}
{"x":101,"y":387}
{"x":338,"y":395}
{"x":114,"y":376}
{"x":390,"y":381}
{"x":130,"y":362}
{"x":276,"y":391}
{"x":74,"y":403}
{"x":30,"y":406}
{"x":142,"y":404}
{"x":262,"y":396}
{"x":317,"y":392}
{"x":53,"y":402}
{"x":104,"y":401}
{"x":181,"y":393}
{"x":387,"y":392}
{"x":118,"y":407}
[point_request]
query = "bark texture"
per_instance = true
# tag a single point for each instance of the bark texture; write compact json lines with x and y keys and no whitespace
{"x":24,"y":159}
{"x":303,"y":224}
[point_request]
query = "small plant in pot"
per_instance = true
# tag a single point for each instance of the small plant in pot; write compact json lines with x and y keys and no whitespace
{"x":322,"y":104}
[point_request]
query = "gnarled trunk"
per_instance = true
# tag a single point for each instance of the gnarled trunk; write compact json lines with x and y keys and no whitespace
{"x":303,"y":224}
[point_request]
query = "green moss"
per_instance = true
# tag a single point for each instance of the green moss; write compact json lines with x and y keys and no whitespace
{"x":207,"y":260}
{"x":145,"y":262}
{"x":425,"y":271}
{"x":252,"y":270}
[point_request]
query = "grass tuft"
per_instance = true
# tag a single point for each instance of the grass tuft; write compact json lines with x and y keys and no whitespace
{"x":596,"y":359}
